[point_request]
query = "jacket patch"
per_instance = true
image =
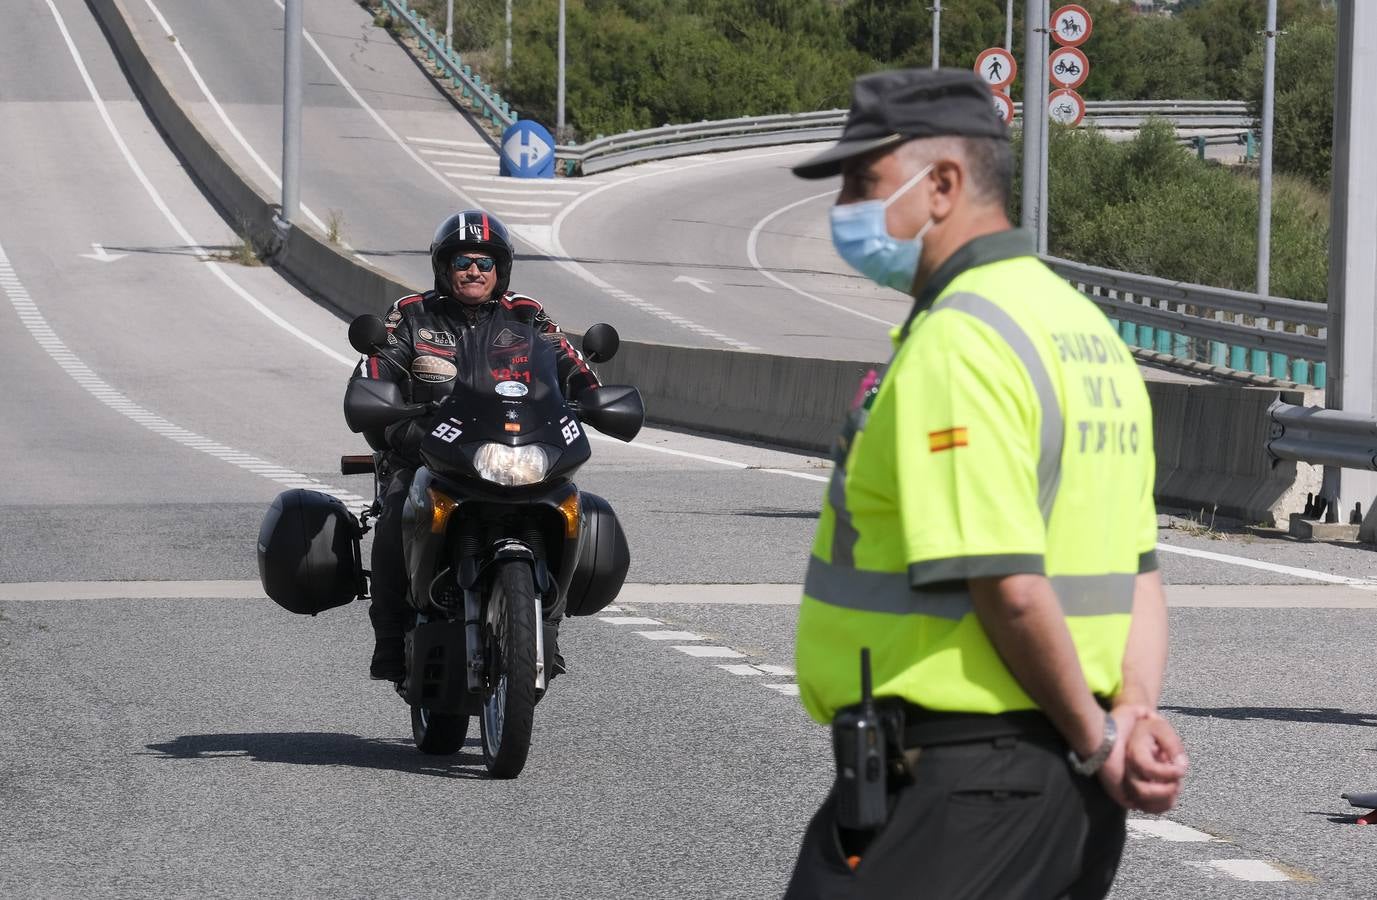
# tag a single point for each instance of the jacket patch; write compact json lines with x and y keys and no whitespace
{"x":506,"y":339}
{"x":438,"y":338}
{"x":949,"y":439}
{"x":433,"y":369}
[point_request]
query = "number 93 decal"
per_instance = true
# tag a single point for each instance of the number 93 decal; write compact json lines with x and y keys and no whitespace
{"x":570,"y":432}
{"x":446,"y":432}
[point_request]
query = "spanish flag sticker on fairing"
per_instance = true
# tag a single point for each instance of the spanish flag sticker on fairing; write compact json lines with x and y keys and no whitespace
{"x":946,"y":440}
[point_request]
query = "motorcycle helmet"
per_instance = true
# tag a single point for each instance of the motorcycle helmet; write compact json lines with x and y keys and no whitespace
{"x":472,"y":229}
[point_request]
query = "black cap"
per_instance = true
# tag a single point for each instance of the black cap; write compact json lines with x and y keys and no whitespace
{"x":892,"y":107}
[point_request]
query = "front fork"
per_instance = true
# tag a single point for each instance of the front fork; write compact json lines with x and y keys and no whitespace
{"x":472,"y":581}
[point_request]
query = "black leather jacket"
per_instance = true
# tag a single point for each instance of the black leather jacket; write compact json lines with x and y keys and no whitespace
{"x":423,"y":333}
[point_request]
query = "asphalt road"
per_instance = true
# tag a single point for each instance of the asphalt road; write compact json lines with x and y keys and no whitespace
{"x":169,"y":732}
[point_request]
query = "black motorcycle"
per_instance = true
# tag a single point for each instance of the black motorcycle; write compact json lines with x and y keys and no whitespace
{"x":499,"y":542}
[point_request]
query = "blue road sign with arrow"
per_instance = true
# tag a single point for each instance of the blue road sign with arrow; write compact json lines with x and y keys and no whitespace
{"x":528,"y":151}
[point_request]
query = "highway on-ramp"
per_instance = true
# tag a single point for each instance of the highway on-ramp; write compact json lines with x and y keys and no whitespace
{"x":167,"y":731}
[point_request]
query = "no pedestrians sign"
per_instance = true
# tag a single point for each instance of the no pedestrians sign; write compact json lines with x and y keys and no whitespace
{"x":996,"y":65}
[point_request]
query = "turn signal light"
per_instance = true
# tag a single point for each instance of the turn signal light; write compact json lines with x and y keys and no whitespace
{"x":569,"y":506}
{"x":441,"y":506}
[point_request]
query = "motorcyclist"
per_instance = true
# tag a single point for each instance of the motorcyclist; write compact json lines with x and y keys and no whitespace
{"x":471,"y":257}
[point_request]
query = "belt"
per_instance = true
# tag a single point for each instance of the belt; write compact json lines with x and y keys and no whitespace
{"x":926,"y":728}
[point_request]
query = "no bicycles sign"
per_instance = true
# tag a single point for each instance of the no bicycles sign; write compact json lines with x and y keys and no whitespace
{"x":1068,"y":67}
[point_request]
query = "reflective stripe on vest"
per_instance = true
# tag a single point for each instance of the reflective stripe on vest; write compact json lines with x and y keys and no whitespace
{"x":890,"y":592}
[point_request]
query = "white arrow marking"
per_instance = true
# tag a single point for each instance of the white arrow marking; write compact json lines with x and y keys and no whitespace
{"x":102,"y":256}
{"x":697,"y":282}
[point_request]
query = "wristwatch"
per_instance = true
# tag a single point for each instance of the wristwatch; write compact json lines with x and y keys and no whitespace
{"x":1091,"y":764}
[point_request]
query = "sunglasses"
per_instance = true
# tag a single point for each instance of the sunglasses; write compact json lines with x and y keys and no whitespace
{"x":461,"y":263}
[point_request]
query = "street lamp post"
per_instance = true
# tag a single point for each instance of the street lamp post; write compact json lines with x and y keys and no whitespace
{"x":1034,"y":112}
{"x":1009,"y":26}
{"x":559,"y":116}
{"x":508,"y":61}
{"x":1264,"y":216}
{"x":449,"y":25}
{"x":291,"y":110}
{"x":936,"y":33}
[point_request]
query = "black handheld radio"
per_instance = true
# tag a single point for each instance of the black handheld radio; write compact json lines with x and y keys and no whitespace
{"x":858,"y":741}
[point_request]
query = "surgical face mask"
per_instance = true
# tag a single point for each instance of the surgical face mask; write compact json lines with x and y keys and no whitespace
{"x":860,"y":236}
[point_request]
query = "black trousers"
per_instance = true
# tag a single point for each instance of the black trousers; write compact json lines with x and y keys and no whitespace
{"x":389,"y":580}
{"x":1004,"y":819}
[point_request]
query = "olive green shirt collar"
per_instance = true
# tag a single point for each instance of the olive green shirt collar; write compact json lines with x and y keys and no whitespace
{"x":981,"y":251}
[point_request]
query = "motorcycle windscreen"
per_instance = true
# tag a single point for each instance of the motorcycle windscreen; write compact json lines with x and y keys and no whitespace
{"x":508,"y":360}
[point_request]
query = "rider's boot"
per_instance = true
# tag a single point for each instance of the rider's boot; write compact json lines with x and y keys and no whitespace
{"x":389,"y":652}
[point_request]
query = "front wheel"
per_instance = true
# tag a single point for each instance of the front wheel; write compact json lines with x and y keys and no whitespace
{"x":509,"y":639}
{"x":441,"y":734}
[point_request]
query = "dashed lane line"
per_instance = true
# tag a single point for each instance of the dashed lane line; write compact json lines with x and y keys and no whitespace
{"x":444,"y":142}
{"x":670,"y":635}
{"x":1168,"y":830}
{"x":709,"y":652}
{"x":1244,"y":869}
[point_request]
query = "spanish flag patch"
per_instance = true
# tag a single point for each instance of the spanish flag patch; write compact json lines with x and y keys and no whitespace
{"x":946,"y":440}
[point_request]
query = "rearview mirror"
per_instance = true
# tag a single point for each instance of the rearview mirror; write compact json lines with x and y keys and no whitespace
{"x":616,"y":410}
{"x":600,"y":343}
{"x":367,"y":334}
{"x":371,"y":404}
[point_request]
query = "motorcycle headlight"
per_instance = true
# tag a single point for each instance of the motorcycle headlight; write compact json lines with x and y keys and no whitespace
{"x":501,"y":464}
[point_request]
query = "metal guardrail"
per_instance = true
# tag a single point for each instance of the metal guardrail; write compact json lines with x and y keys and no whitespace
{"x":1230,"y":116}
{"x":1268,"y":336}
{"x":486,"y":102}
{"x":1327,"y":437}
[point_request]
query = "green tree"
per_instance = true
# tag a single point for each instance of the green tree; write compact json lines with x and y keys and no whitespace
{"x":1303,"y":119}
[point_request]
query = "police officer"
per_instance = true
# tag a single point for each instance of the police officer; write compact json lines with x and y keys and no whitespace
{"x":988,"y":535}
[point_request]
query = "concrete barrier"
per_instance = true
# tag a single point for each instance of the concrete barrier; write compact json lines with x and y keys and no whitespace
{"x":1209,"y":438}
{"x":1211,"y":452}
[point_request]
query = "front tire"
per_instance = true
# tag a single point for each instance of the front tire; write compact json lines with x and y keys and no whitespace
{"x":509,"y":702}
{"x":440,"y":734}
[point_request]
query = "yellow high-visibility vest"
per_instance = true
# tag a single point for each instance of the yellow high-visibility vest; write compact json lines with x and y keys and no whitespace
{"x":1010,"y":433}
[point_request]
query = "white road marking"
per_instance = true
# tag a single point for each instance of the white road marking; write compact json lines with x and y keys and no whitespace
{"x":510,"y":202}
{"x":1244,"y":869}
{"x":1294,"y":571}
{"x":46,"y":338}
{"x":526,"y":192}
{"x":670,"y":635}
{"x":1167,"y":830}
{"x":770,"y":669}
{"x":629,"y":620}
{"x":225,"y":119}
{"x":201,"y":253}
{"x":518,"y":214}
{"x":611,"y":607}
{"x":44,"y":591}
{"x":715,"y":460}
{"x":735,"y":668}
{"x":477,"y":167}
{"x":490,"y":158}
{"x":448,"y":143}
{"x":710,"y":652}
{"x":788,"y":690}
{"x":753,"y":239}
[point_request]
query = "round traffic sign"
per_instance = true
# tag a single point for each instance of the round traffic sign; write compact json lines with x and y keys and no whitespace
{"x":1071,"y":25}
{"x":1066,"y":107}
{"x":997,"y":66}
{"x":1004,"y":107}
{"x":1068,"y":67}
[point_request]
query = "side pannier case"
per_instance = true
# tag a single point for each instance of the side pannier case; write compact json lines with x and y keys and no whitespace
{"x":308,"y":552}
{"x":603,"y":559}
